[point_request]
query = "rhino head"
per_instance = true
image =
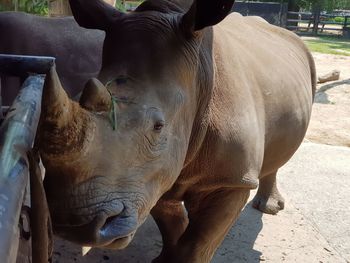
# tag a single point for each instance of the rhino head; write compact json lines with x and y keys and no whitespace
{"x":111,"y":157}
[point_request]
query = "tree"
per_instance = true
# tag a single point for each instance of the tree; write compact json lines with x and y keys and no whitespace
{"x":5,"y":5}
{"x":326,"y":5}
{"x":41,"y":7}
{"x":30,"y":6}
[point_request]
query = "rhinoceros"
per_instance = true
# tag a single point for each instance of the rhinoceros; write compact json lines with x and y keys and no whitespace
{"x":190,"y":111}
{"x":78,"y":50}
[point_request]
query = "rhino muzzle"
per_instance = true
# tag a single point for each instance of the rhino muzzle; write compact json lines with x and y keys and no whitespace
{"x":111,"y":231}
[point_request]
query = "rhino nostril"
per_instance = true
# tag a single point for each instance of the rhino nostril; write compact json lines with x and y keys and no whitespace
{"x":111,"y":222}
{"x":108,"y":221}
{"x":118,"y":226}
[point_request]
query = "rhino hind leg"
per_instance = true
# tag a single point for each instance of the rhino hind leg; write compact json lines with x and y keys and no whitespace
{"x":268,"y":199}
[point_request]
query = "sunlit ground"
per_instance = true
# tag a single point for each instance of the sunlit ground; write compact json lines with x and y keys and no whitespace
{"x":328,"y":45}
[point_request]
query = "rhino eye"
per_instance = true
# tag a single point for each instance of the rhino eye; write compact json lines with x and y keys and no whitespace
{"x":158,"y":126}
{"x":121,"y":80}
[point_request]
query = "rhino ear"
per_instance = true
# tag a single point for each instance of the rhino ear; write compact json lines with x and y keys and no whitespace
{"x":204,"y":13}
{"x":94,"y":14}
{"x":95,"y":96}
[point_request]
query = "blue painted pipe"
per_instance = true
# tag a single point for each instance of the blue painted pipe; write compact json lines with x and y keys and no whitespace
{"x":17,"y":134}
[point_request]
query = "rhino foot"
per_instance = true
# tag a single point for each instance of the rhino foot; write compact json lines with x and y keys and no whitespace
{"x":166,"y":256}
{"x":270,"y":205}
{"x":158,"y":259}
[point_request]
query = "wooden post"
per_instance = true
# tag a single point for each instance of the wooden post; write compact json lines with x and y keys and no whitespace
{"x":62,"y":8}
{"x":293,"y":7}
{"x":16,"y":5}
{"x":41,"y":229}
{"x":346,"y":28}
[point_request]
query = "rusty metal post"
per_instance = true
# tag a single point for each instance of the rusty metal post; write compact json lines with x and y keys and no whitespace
{"x":17,"y":133}
{"x":1,"y":113}
{"x":40,"y":222}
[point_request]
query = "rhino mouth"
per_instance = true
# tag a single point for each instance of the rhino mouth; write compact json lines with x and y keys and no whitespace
{"x":114,"y":232}
{"x":118,"y":229}
{"x":94,"y":214}
{"x":120,"y":243}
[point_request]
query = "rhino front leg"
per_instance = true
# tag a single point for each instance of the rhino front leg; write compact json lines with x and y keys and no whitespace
{"x":172,"y":221}
{"x":268,"y":199}
{"x":210,"y":218}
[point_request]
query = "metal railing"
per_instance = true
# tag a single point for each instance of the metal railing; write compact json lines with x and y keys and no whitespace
{"x":17,"y":134}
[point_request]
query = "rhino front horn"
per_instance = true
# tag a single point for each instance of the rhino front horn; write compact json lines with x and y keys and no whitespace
{"x":64,"y":125}
{"x":56,"y":107}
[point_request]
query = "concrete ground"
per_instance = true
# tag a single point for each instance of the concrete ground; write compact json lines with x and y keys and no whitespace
{"x":313,"y":227}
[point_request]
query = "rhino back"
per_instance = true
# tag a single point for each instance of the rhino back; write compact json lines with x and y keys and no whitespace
{"x":266,"y":79}
{"x":78,"y":51}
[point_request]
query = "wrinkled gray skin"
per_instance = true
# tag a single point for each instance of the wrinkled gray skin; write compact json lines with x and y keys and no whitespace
{"x":204,"y":113}
{"x":78,"y":51}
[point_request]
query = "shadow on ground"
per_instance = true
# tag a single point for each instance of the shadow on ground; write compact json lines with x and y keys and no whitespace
{"x":238,"y":245}
{"x":321,"y":95}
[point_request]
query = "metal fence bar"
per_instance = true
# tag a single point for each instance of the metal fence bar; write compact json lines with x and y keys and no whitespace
{"x":298,"y":27}
{"x":17,"y":134}
{"x":22,"y":65}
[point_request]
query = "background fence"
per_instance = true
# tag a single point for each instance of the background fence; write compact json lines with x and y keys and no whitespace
{"x":318,"y":23}
{"x":274,"y":13}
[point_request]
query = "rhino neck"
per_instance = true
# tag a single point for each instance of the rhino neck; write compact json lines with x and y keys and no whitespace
{"x":204,"y":94}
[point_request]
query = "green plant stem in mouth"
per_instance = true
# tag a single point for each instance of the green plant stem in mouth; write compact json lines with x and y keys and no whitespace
{"x":114,"y":104}
{"x":113,"y":111}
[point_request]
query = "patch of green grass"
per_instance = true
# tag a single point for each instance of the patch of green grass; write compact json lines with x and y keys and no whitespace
{"x":329,"y":45}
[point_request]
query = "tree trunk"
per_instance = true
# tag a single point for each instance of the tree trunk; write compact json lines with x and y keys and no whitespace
{"x":6,"y":4}
{"x":316,"y":10}
{"x":293,"y":7}
{"x":59,"y":8}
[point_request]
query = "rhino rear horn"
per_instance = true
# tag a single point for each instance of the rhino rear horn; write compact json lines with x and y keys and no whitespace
{"x":95,"y":96}
{"x":56,"y":106}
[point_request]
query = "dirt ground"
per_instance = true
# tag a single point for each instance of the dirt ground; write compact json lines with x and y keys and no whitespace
{"x":330,"y":122}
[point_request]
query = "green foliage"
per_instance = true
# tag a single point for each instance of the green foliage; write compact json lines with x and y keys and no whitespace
{"x":129,"y":5}
{"x":327,"y":5}
{"x":119,"y":4}
{"x":339,"y":19}
{"x":39,"y":7}
{"x":308,"y":5}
